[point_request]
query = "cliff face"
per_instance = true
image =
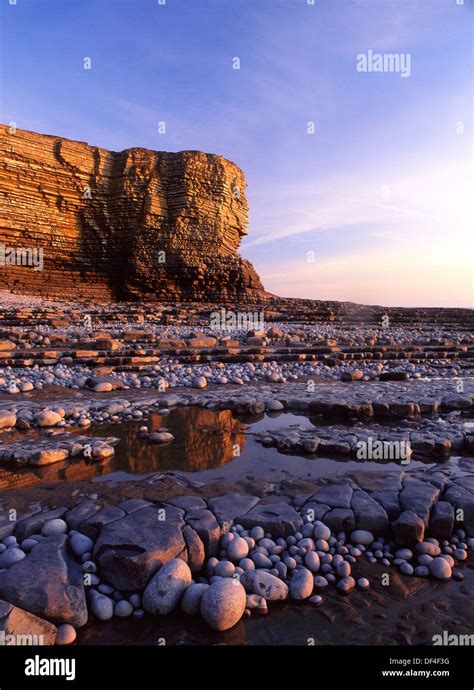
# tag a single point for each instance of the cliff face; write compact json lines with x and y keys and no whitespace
{"x":135,"y":224}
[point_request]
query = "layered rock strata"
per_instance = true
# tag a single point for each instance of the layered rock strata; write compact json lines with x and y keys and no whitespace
{"x":88,"y":223}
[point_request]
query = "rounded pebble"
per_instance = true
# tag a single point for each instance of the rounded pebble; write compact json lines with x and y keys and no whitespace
{"x":346,"y":584}
{"x":312,"y":561}
{"x":223,"y":604}
{"x":316,"y":600}
{"x":224,"y":569}
{"x":10,"y":557}
{"x":81,"y":544}
{"x":191,"y":601}
{"x":257,"y":533}
{"x":166,"y":587}
{"x":301,"y":584}
{"x":237,"y":549}
{"x":362,"y":536}
{"x":406,"y":568}
{"x":440,"y":568}
{"x":102,"y":607}
{"x":123,"y":609}
{"x":428,"y":548}
{"x":56,"y":526}
{"x":321,"y":531}
{"x":65,"y":634}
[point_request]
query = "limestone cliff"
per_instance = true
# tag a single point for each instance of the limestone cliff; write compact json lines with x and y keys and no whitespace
{"x":129,"y":225}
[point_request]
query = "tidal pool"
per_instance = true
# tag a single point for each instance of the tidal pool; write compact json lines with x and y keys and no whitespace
{"x":209,"y":444}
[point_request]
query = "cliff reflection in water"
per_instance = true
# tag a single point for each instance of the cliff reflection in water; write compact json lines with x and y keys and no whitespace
{"x":204,"y":439}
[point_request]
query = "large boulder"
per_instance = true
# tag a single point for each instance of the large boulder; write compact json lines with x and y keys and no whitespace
{"x":47,"y":583}
{"x":129,"y":551}
{"x":191,"y":601}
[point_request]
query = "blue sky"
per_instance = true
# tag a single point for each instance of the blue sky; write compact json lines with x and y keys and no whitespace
{"x":373,"y":207}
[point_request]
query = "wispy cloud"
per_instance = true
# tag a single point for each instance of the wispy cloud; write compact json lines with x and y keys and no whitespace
{"x":440,"y":189}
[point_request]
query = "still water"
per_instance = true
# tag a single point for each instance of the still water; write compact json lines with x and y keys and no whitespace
{"x":211,"y":445}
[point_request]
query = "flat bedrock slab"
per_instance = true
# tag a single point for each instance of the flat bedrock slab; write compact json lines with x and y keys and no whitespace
{"x":340,"y":520}
{"x":8,"y":526}
{"x":462,"y":499}
{"x":130,"y":550}
{"x":80,"y":513}
{"x":369,"y":515}
{"x":33,"y":524}
{"x":205,"y":524}
{"x":195,"y":549}
{"x":47,"y":583}
{"x":336,"y":495}
{"x":94,"y":524}
{"x":442,"y":520}
{"x":130,"y":505}
{"x":389,"y":502}
{"x":315,"y":511}
{"x":419,"y":497}
{"x":21,"y":627}
{"x":408,"y":529}
{"x":456,"y":402}
{"x":187,"y":502}
{"x":280,"y":519}
{"x":228,"y":507}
